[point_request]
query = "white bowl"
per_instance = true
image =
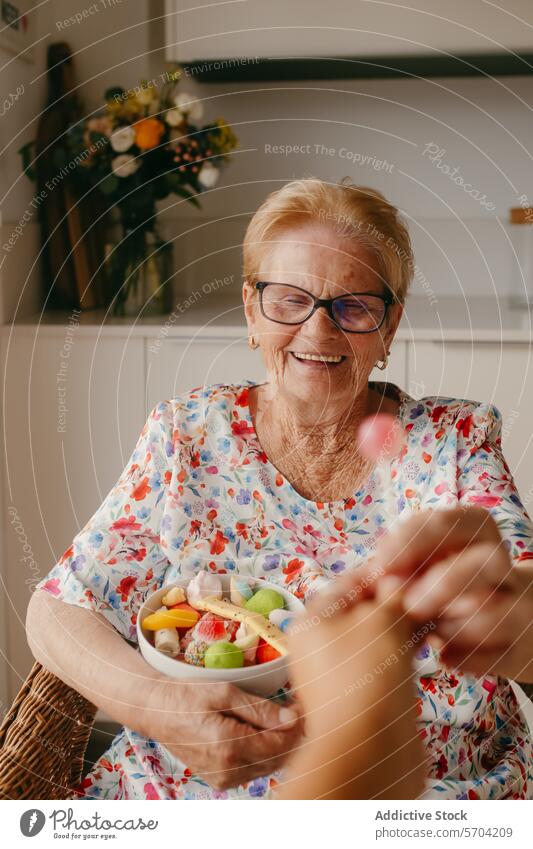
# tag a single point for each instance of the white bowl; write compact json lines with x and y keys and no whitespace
{"x":264,"y":679}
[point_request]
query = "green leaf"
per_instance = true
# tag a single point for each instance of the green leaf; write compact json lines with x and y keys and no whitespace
{"x":188,"y":195}
{"x":173,"y":181}
{"x":109,"y":184}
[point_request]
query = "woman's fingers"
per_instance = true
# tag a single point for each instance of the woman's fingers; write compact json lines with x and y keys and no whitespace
{"x":227,"y":751}
{"x":258,"y":752}
{"x":224,"y":734}
{"x":236,"y":752}
{"x":450,"y":588}
{"x":258,"y":712}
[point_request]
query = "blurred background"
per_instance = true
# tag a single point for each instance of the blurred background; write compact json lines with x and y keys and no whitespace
{"x":137,"y":140}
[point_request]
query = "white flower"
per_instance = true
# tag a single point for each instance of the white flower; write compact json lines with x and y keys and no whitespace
{"x":124,"y":165}
{"x":174,"y":117}
{"x":208,"y":175}
{"x":122,"y":139}
{"x":191,"y":107}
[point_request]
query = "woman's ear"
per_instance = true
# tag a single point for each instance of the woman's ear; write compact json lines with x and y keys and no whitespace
{"x":249,"y":301}
{"x":393,"y":320}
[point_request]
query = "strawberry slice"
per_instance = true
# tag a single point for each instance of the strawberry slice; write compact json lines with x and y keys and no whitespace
{"x":212,"y":628}
{"x":265,"y":652}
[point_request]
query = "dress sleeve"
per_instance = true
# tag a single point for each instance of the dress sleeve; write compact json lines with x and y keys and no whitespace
{"x":484,"y":478}
{"x":117,"y":559}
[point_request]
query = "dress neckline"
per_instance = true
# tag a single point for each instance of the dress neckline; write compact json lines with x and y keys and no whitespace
{"x":389,"y":390}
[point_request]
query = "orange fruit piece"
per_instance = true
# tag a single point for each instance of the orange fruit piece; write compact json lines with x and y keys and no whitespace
{"x":265,"y":652}
{"x":171,"y":619}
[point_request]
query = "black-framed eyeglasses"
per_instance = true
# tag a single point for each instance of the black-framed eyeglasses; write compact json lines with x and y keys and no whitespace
{"x":356,"y":312}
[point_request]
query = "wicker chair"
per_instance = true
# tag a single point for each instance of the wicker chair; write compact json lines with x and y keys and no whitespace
{"x":43,"y":739}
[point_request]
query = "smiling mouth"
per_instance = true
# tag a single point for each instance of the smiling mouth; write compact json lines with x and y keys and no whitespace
{"x":318,"y":358}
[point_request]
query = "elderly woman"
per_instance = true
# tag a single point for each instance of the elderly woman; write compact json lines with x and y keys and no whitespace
{"x":268,"y":479}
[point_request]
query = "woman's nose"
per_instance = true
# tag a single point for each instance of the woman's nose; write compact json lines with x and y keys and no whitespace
{"x":322,"y":323}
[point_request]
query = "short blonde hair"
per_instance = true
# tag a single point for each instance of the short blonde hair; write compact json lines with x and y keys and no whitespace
{"x":358,"y":213}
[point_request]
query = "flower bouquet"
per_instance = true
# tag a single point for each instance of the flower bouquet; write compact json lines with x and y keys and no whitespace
{"x":145,"y":145}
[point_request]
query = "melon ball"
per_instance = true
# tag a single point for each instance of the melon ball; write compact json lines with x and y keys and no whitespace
{"x":223,"y":655}
{"x":264,"y":601}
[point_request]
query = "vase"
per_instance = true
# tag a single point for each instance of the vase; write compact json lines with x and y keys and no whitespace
{"x":140,"y":274}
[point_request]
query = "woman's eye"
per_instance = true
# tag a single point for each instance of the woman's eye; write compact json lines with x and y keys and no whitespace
{"x":354,"y":307}
{"x":294,"y":299}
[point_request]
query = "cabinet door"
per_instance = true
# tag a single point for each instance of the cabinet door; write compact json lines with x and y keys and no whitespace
{"x":396,"y":371}
{"x":73,"y":416}
{"x":178,"y":365}
{"x":181,"y":364}
{"x":501,"y":374}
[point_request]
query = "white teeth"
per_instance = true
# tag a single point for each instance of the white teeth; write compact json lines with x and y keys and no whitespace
{"x":317,"y":358}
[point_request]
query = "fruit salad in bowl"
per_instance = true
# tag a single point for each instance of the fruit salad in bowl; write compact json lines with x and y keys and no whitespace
{"x":220,"y":628}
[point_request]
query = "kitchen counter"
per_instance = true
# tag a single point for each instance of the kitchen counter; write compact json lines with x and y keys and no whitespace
{"x":449,"y":319}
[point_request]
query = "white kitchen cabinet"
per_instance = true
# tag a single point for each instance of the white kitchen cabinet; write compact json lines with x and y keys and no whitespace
{"x":59,"y":467}
{"x":499,"y":373}
{"x":181,"y":364}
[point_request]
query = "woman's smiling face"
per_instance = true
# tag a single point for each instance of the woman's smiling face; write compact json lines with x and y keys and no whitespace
{"x":316,"y":259}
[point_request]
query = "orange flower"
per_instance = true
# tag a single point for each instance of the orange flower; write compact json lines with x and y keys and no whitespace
{"x":218,"y":544}
{"x":141,"y":490}
{"x":148,"y":131}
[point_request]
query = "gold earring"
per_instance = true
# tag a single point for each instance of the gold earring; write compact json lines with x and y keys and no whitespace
{"x":382,"y":364}
{"x":252,"y":343}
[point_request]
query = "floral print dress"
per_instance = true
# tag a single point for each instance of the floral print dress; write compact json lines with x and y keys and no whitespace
{"x":200,"y":493}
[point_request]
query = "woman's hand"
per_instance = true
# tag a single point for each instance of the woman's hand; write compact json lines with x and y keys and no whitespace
{"x":221,"y":733}
{"x":351,"y":673}
{"x":456,"y":572}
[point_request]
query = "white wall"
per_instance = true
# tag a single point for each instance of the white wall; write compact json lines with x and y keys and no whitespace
{"x":404,"y":136}
{"x":229,"y":28}
{"x":114,"y":46}
{"x":22,"y":91}
{"x":484,"y":127}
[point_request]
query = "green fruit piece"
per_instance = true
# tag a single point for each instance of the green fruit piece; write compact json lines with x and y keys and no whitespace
{"x":223,"y":656}
{"x":265,"y":601}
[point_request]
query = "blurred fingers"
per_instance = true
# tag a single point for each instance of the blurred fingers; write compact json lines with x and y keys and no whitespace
{"x":494,"y":625}
{"x":431,"y":536}
{"x":459,"y":582}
